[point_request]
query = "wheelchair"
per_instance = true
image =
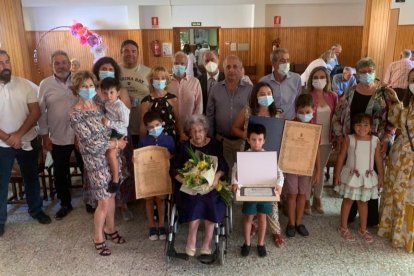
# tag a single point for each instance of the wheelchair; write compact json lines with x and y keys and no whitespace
{"x":222,"y":232}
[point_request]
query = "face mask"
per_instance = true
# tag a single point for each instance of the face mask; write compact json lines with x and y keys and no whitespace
{"x":411,"y":87}
{"x":332,"y":62}
{"x":283,"y":68}
{"x":159,"y":84}
{"x":87,"y":94}
{"x":265,"y":100}
{"x":367,"y":78}
{"x":319,"y":83}
{"x":179,"y":70}
{"x":156,"y":131}
{"x":305,"y":118}
{"x":5,"y":75}
{"x":211,"y":67}
{"x":106,"y":74}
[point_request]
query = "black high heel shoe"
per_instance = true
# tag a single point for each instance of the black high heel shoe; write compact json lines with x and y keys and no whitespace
{"x":114,"y":237}
{"x":102,"y":248}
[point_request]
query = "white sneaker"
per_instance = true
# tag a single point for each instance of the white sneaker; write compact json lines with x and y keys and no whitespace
{"x":153,"y":234}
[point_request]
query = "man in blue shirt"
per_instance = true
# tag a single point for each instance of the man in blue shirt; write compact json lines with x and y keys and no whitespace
{"x":341,"y":82}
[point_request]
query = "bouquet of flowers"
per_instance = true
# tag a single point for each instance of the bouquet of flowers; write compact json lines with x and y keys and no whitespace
{"x":198,"y":175}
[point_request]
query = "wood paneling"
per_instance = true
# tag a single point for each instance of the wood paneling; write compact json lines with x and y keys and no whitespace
{"x":12,"y":37}
{"x":404,"y":39}
{"x":162,"y":35}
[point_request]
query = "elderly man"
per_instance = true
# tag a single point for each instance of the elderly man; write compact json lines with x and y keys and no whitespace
{"x":19,"y":112}
{"x":56,"y":102}
{"x":134,"y":79}
{"x":341,"y":82}
{"x":74,"y":65}
{"x":211,"y":77}
{"x":286,"y":85}
{"x":226,"y":99}
{"x":397,"y":74}
{"x":186,"y":88}
{"x":337,"y":49}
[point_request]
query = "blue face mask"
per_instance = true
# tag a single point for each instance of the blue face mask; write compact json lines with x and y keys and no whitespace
{"x":106,"y":74}
{"x":156,"y":131}
{"x":179,"y":70}
{"x":265,"y":100}
{"x":332,"y":62}
{"x":159,"y":84}
{"x":305,"y":118}
{"x":87,"y":94}
{"x":367,"y":78}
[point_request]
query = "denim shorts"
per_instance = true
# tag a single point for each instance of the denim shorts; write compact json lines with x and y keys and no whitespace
{"x":252,"y":208}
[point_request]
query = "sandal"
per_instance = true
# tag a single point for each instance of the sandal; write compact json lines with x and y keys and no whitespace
{"x":367,"y":236}
{"x":346,"y":235}
{"x":115,"y":237}
{"x":279,"y":240}
{"x":101,"y":247}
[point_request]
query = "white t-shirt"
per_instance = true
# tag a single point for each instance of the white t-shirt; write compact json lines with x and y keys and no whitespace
{"x":323,"y":118}
{"x":15,"y":96}
{"x":136,"y":82}
{"x":190,"y":65}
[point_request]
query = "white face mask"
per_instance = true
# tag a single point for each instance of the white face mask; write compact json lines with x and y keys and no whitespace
{"x":283,"y":68}
{"x":211,"y":67}
{"x":411,"y":87}
{"x":319,"y":84}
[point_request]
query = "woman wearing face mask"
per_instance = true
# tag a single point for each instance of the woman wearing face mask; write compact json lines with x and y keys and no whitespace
{"x":326,"y":60}
{"x":159,"y":100}
{"x":366,"y":97}
{"x":397,"y":202}
{"x":319,"y":87}
{"x":93,"y":140}
{"x":261,"y":104}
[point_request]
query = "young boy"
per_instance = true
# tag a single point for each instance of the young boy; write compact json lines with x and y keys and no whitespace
{"x":256,"y":135}
{"x":116,"y":118}
{"x":156,"y":137}
{"x":296,"y":186}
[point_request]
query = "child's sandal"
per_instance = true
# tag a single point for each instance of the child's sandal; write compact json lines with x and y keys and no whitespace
{"x":103,"y":250}
{"x":115,"y":237}
{"x":346,"y":235}
{"x":367,"y":236}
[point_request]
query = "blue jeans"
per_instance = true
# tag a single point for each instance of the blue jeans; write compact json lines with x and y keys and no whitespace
{"x":28,"y":163}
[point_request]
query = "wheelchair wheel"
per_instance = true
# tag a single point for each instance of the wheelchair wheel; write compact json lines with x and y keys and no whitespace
{"x":229,"y":221}
{"x":222,"y":250}
{"x":168,"y":249}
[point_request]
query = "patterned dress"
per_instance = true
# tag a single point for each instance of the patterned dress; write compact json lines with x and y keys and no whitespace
{"x":397,"y":203}
{"x":93,"y":139}
{"x":165,"y":109}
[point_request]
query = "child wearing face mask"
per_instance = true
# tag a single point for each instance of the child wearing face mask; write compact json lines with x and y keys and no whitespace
{"x":161,"y":101}
{"x":296,"y":186}
{"x":117,"y":119}
{"x":156,"y":137}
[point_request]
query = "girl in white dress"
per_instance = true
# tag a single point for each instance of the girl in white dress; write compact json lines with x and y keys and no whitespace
{"x":357,"y":180}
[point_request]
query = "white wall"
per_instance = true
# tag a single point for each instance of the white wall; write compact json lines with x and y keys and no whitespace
{"x":162,"y":12}
{"x":95,"y":18}
{"x":316,"y":15}
{"x":406,"y":12}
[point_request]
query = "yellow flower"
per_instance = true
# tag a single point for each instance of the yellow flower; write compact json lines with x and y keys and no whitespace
{"x":202,"y":165}
{"x":219,"y":186}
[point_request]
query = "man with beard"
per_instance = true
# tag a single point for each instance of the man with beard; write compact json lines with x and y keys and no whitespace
{"x":56,"y":102}
{"x":19,"y":112}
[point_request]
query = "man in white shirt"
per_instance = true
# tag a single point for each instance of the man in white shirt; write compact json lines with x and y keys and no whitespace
{"x":134,"y":79}
{"x":56,"y":102}
{"x":19,"y":112}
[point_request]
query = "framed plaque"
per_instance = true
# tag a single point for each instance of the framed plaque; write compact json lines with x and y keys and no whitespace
{"x":257,"y":176}
{"x":151,"y":170}
{"x":300,"y":144}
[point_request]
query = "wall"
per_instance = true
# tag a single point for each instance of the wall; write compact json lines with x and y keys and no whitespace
{"x":406,"y":12}
{"x":316,"y":15}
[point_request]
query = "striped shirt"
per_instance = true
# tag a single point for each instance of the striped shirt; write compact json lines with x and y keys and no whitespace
{"x":397,"y":73}
{"x":118,"y":116}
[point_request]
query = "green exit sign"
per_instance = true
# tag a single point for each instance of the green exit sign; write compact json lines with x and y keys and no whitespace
{"x":196,"y":24}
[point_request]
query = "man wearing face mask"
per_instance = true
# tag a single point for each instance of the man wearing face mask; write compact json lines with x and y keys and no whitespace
{"x":134,"y":79}
{"x":327,"y":60}
{"x":397,"y":72}
{"x":286,"y":85}
{"x":211,"y":77}
{"x":19,"y":112}
{"x":56,"y":102}
{"x":186,"y":88}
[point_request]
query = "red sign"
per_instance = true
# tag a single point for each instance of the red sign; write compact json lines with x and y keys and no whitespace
{"x":154,"y":22}
{"x":277,"y":20}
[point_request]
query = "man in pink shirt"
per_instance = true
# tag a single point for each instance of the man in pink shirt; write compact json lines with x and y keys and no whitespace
{"x":186,"y":88}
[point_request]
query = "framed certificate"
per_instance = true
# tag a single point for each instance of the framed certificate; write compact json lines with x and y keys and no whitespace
{"x":151,"y":170}
{"x":257,"y":176}
{"x":300,"y":144}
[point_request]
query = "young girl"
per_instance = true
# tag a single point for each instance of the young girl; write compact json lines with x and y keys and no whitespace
{"x":358,"y":180}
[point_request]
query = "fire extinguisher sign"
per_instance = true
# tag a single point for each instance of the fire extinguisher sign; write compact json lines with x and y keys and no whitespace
{"x":154,"y":22}
{"x":277,"y":20}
